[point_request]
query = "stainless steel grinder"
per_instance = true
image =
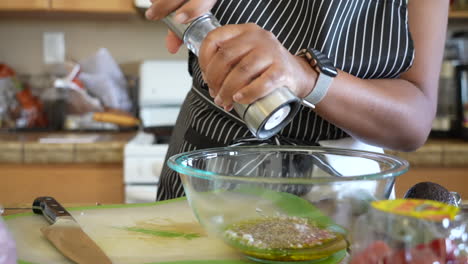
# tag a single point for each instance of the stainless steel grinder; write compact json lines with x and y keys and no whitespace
{"x":265,"y":117}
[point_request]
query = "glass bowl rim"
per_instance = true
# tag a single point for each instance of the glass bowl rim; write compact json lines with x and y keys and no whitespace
{"x":399,"y":165}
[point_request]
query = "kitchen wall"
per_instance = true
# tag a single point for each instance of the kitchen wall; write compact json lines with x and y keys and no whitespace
{"x":129,"y":40}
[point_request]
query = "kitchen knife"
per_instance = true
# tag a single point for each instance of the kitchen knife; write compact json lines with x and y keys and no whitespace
{"x":66,"y":234}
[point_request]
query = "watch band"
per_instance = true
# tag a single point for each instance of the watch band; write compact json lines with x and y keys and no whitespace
{"x":326,"y":72}
{"x":320,"y":90}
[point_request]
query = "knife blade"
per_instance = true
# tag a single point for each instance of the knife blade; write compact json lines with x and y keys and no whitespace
{"x":67,"y":235}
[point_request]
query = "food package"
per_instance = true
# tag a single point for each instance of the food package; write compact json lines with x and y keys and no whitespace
{"x":103,"y":78}
{"x":121,"y":119}
{"x":411,"y":231}
{"x":32,"y":115}
{"x":19,"y":107}
{"x":7,"y":97}
{"x":7,"y":244}
{"x":9,"y":86}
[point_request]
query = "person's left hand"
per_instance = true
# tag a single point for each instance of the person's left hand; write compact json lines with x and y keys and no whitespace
{"x":243,"y":63}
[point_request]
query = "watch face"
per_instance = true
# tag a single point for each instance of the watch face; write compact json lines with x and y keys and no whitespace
{"x":332,"y":72}
{"x":324,"y":64}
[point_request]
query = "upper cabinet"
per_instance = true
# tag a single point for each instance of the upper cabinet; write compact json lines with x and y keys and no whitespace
{"x":24,"y":5}
{"x":71,"y":6}
{"x":94,"y":6}
{"x":102,"y":6}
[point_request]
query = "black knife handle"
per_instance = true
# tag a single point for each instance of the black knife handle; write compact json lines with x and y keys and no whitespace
{"x":50,"y":208}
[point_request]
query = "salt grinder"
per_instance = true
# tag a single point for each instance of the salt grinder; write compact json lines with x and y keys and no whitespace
{"x":265,"y":117}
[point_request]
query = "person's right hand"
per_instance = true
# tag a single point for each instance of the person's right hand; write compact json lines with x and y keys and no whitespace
{"x":186,"y":11}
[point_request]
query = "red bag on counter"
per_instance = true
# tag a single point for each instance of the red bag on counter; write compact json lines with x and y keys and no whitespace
{"x":32,"y":109}
{"x":24,"y":112}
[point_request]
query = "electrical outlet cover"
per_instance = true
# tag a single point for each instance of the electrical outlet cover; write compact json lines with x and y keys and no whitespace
{"x":54,"y":47}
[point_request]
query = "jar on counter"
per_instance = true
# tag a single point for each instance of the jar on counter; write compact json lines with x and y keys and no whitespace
{"x":411,"y":231}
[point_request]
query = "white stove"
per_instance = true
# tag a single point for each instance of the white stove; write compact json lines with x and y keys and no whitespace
{"x":143,"y":161}
{"x":163,"y":87}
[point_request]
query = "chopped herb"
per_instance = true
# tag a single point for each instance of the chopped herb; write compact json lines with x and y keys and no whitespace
{"x":163,"y":233}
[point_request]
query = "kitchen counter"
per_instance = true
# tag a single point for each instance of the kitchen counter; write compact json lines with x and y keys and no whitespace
{"x":68,"y":148}
{"x":442,"y":161}
{"x":437,"y":153}
{"x":142,"y":226}
{"x":95,"y":170}
{"x":108,"y":148}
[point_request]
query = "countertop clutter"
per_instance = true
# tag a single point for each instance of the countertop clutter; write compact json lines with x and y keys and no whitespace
{"x":93,"y":94}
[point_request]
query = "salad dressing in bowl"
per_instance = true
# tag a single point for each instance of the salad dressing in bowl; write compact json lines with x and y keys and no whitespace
{"x":263,"y":200}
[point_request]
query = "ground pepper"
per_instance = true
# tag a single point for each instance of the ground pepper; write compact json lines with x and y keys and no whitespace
{"x":279,"y":232}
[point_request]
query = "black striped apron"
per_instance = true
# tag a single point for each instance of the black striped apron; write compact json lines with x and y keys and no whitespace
{"x":366,"y":38}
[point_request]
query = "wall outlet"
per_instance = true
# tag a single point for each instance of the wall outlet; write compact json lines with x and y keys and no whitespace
{"x":54,"y":47}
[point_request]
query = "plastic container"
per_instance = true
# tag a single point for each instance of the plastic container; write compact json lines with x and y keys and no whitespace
{"x":411,"y":231}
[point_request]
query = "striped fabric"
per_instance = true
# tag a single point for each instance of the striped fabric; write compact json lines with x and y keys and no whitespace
{"x":366,"y":38}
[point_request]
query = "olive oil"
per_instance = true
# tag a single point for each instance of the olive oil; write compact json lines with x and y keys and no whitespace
{"x":284,"y":238}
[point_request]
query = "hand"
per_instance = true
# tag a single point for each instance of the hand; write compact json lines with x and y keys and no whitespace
{"x":243,"y":63}
{"x":186,"y":11}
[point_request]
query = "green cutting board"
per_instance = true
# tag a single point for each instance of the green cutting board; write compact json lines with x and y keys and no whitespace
{"x":162,"y":233}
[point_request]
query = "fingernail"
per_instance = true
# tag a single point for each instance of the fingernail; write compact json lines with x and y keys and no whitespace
{"x":149,"y":14}
{"x":218,"y":100}
{"x":212,"y":94}
{"x":203,"y":76}
{"x":228,"y":108}
{"x":237,"y":97}
{"x":181,"y":18}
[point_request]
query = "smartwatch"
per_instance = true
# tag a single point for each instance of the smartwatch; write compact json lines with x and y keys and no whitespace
{"x":326,"y":73}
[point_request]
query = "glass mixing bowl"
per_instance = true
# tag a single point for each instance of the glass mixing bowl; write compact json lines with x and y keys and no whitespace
{"x":278,"y":204}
